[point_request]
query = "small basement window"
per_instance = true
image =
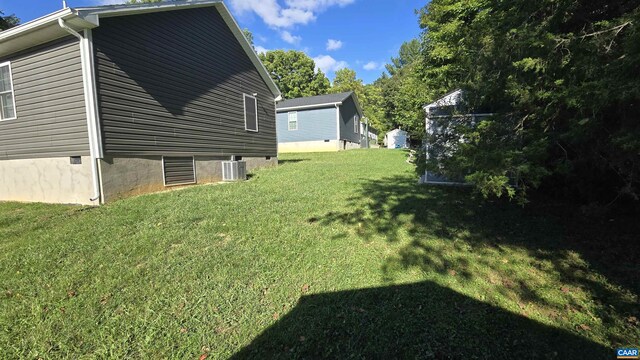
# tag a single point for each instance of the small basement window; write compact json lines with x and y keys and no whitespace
{"x":356,"y":124}
{"x":7,"y":98}
{"x":293,"y":121}
{"x":250,"y":113}
{"x":179,"y":170}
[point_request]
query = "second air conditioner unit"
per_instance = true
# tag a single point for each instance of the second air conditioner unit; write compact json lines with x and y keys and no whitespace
{"x":234,"y":170}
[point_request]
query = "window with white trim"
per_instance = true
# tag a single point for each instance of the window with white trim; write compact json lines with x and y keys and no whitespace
{"x":250,"y":113}
{"x":293,"y":120}
{"x":356,"y":124}
{"x":7,"y":98}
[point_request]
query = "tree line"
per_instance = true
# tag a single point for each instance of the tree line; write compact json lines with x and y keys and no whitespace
{"x":8,"y":21}
{"x":395,"y":99}
{"x":561,"y":78}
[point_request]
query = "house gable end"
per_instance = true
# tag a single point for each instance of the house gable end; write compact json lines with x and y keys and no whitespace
{"x":173,"y":83}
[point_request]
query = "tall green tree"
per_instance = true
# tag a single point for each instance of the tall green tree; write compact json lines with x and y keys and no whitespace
{"x":347,"y":80}
{"x":295,"y":73}
{"x":369,"y":96}
{"x":563,"y":80}
{"x":7,"y":22}
{"x":403,"y":90}
{"x":373,"y":107}
{"x":408,"y":54}
{"x":248,"y":35}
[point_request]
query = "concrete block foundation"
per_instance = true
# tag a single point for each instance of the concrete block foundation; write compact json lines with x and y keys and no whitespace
{"x":316,"y":146}
{"x":123,"y":177}
{"x":49,"y":180}
{"x":63,"y":181}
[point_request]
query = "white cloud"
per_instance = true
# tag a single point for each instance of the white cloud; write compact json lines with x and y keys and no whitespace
{"x":261,"y":37}
{"x":260,"y":49}
{"x":333,"y":44}
{"x":272,"y":13}
{"x":289,"y":38}
{"x":295,"y":12}
{"x":372,"y":65}
{"x":328,"y":64}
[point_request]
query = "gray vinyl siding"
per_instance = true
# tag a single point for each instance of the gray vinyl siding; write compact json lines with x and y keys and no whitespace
{"x":49,"y":94}
{"x":172,"y":83}
{"x":347,"y":111}
{"x":313,"y":125}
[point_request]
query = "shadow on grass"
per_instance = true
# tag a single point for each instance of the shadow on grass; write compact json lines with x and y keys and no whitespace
{"x":416,"y":321}
{"x":291,"y":161}
{"x":511,"y":257}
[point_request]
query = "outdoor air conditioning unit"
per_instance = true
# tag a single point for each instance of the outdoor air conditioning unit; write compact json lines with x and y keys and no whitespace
{"x":234,"y":170}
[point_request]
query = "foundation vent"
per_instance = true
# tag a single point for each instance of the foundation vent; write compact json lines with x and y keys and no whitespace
{"x":234,"y":170}
{"x":179,"y":170}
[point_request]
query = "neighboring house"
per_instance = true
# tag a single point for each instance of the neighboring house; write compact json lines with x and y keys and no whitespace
{"x":319,"y":123}
{"x":104,"y":102}
{"x":451,"y":109}
{"x":371,"y":141}
{"x":397,"y":139}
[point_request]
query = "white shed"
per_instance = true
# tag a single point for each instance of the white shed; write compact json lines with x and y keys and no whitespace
{"x":450,"y":106}
{"x":397,"y":139}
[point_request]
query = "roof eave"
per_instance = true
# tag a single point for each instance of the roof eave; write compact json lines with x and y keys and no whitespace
{"x":439,"y":102}
{"x":253,"y":56}
{"x":310,"y":106}
{"x":43,"y":30}
{"x":355,"y":100}
{"x":137,"y":9}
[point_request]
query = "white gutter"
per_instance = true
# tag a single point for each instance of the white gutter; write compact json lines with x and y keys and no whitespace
{"x":88,"y":81}
{"x":305,"y":107}
{"x":34,"y":24}
{"x":69,"y":30}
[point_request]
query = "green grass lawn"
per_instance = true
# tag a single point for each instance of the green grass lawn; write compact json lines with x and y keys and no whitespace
{"x":338,"y":255}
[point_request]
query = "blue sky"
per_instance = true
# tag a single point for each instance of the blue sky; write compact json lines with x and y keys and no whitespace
{"x":359,"y":34}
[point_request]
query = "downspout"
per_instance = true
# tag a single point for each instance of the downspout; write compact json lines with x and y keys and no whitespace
{"x":275,"y":109}
{"x":366,"y":132}
{"x":338,"y":125}
{"x":89,"y":106}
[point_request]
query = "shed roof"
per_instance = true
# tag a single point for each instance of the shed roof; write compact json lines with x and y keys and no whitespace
{"x":448,"y":99}
{"x":397,"y":131}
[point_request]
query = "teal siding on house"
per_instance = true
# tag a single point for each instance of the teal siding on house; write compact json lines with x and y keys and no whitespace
{"x":313,"y":125}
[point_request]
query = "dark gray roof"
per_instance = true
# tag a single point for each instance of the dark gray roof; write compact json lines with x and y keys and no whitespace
{"x":314,"y":100}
